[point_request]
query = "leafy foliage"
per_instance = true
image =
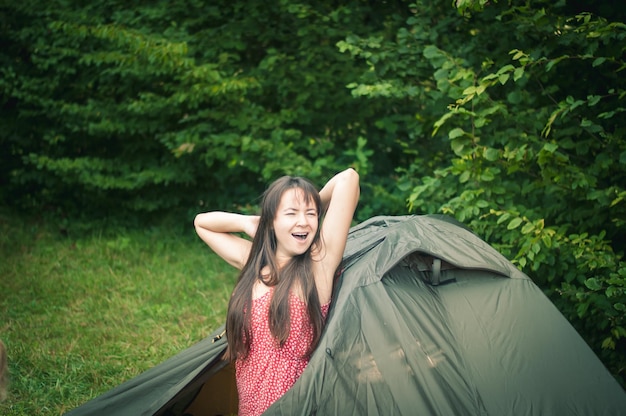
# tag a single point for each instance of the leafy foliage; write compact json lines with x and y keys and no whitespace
{"x":119,"y":109}
{"x":525,"y":105}
{"x":506,"y":115}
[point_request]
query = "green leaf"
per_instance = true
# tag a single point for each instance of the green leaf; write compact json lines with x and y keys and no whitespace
{"x":431,"y":51}
{"x":593,"y":284}
{"x":457,"y":132}
{"x":491,"y":154}
{"x":504,"y":217}
{"x":506,"y":69}
{"x":515,"y":222}
{"x":535,"y":248}
{"x":598,"y":61}
{"x":528,"y":228}
{"x":581,"y":309}
{"x":550,"y":147}
{"x":518,"y":54}
{"x":608,"y":343}
{"x":487,"y":175}
{"x":593,"y":100}
{"x":457,"y":146}
{"x":470,"y":90}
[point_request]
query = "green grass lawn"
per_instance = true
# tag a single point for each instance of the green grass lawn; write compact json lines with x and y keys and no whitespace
{"x":80,"y":315}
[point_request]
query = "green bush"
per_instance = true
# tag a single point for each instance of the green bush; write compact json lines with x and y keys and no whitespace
{"x":525,"y":104}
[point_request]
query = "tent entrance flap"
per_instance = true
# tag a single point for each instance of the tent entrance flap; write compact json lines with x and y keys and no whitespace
{"x":218,"y":396}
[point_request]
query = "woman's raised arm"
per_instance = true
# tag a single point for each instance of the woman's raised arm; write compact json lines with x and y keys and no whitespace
{"x":217,"y":229}
{"x":339,"y":197}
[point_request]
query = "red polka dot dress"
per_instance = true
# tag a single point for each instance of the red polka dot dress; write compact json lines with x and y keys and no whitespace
{"x":270,"y":370}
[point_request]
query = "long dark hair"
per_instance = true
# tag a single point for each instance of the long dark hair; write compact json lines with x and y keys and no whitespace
{"x":297,"y":273}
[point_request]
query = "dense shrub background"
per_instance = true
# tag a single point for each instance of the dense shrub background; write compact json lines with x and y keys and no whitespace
{"x":508,"y":116}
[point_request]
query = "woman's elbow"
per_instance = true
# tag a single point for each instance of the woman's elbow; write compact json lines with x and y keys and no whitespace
{"x":351,"y":175}
{"x":199,"y":222}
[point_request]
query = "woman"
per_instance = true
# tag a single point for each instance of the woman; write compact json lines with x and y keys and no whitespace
{"x":278,"y":307}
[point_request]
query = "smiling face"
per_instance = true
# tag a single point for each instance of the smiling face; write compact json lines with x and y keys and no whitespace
{"x":295,"y":224}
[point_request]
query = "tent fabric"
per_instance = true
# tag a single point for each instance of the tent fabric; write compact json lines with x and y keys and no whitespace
{"x":486,"y":341}
{"x":158,"y":388}
{"x":426,"y":319}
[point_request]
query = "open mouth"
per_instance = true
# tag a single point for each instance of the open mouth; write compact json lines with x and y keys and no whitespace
{"x":300,"y":236}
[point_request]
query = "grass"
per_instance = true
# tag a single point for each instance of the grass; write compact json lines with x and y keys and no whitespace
{"x":81,"y":315}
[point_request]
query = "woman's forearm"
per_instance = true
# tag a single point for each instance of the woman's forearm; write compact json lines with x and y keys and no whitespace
{"x":227,"y":222}
{"x":219,"y":231}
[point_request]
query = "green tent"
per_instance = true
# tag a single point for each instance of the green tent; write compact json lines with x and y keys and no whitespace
{"x":426,"y":319}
